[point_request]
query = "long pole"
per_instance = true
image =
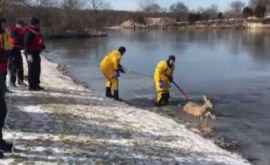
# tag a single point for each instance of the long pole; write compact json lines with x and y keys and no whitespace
{"x":187,"y":97}
{"x":181,"y":91}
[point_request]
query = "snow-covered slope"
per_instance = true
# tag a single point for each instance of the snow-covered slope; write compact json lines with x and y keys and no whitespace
{"x":69,"y":124}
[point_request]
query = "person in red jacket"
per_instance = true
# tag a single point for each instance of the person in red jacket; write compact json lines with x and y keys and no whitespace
{"x":15,"y":58}
{"x":34,"y":45}
{"x":4,"y":146}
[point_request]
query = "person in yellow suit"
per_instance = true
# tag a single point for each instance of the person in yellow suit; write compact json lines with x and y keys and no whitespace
{"x":163,"y":77}
{"x":111,"y":68}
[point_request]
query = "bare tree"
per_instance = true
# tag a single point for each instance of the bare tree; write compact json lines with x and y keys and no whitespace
{"x":260,"y":11}
{"x":179,"y":8}
{"x":2,"y":7}
{"x":46,"y":3}
{"x":209,"y":13}
{"x":258,"y":5}
{"x":237,"y":7}
{"x":71,"y":18}
{"x":7,"y":4}
{"x":248,"y":12}
{"x":99,"y":4}
{"x":72,"y":4}
{"x":254,"y":3}
{"x":143,"y":4}
{"x":150,"y":6}
{"x":96,"y":16}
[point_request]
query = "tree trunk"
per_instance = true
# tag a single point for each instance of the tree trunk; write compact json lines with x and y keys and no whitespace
{"x":2,"y":8}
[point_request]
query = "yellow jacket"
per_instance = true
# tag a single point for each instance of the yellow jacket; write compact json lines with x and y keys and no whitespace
{"x":6,"y":38}
{"x":110,"y":64}
{"x":5,"y":44}
{"x":162,"y":73}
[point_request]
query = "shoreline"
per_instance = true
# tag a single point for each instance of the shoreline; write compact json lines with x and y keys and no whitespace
{"x":192,"y":124}
{"x":72,"y":35}
{"x":234,"y":24}
{"x":106,"y":131}
{"x":206,"y":131}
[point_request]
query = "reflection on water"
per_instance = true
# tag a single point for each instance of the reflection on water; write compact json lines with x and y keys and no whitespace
{"x":232,"y":67}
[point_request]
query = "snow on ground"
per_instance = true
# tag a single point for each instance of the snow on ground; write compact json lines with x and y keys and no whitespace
{"x":69,"y":124}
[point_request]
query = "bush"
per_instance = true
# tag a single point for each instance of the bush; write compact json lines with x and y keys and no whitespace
{"x":248,"y":12}
{"x":193,"y":17}
{"x":260,"y":11}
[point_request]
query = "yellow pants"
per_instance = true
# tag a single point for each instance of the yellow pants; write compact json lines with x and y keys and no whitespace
{"x":112,"y":83}
{"x":111,"y":79}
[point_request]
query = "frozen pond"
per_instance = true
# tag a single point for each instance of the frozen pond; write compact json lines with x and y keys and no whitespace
{"x":231,"y":67}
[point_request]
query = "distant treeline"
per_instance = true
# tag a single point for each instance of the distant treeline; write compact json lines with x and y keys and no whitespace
{"x":56,"y":20}
{"x":72,"y":15}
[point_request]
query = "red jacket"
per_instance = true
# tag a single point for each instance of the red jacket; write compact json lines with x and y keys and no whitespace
{"x":17,"y":36}
{"x":3,"y":55}
{"x":36,"y":44}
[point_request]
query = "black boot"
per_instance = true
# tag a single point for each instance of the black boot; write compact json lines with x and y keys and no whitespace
{"x":116,"y":95}
{"x":5,"y":146}
{"x":164,"y":100}
{"x":39,"y":88}
{"x":108,"y":92}
{"x":21,"y":83}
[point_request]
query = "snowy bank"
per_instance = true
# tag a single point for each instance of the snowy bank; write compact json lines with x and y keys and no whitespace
{"x":69,"y":124}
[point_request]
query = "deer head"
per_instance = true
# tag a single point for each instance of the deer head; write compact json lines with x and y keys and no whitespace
{"x":207,"y":103}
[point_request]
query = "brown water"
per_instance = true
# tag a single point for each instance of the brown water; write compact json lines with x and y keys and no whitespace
{"x":231,"y":67}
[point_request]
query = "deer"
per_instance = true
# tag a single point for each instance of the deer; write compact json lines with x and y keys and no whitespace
{"x":200,"y":110}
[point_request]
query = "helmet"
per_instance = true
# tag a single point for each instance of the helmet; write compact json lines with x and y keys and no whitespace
{"x":122,"y":50}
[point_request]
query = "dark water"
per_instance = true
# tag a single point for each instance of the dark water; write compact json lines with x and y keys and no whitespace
{"x":231,"y":67}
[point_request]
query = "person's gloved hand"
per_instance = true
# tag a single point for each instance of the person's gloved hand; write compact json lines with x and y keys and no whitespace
{"x":170,"y":78}
{"x":30,"y":58}
{"x":121,"y":69}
